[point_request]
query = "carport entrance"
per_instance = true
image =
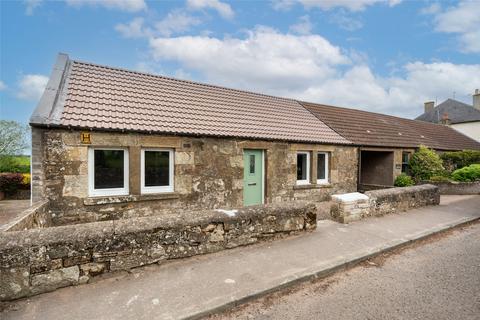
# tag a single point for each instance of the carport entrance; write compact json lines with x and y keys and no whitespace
{"x":376,"y":169}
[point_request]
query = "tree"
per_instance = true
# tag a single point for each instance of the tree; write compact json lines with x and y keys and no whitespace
{"x":13,"y":137}
{"x":425,"y":163}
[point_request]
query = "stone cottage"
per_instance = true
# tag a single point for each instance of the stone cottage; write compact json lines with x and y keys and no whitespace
{"x":109,"y":143}
{"x":386,"y":143}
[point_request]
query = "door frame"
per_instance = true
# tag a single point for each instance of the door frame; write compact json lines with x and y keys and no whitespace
{"x":263,"y":172}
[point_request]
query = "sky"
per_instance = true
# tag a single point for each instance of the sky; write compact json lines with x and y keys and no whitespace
{"x":387,"y":56}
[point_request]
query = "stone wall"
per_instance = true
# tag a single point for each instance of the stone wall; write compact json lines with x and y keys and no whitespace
{"x":457,"y":188}
{"x":37,"y":216}
{"x":208,"y":174}
{"x":41,"y":260}
{"x":401,"y":199}
{"x":354,"y":206}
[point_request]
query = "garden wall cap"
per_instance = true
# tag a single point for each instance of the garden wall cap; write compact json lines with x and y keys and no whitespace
{"x":349,"y":197}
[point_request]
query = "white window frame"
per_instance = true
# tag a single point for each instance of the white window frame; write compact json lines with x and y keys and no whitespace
{"x":324,"y":181}
{"x":157,"y":189}
{"x":307,"y":181}
{"x":91,"y":175}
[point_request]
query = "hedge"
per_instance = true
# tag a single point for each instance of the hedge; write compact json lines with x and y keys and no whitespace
{"x":458,"y":159}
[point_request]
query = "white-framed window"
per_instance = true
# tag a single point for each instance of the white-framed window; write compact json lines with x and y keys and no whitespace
{"x":157,"y":170}
{"x":108,"y":172}
{"x":303,"y":167}
{"x":322,"y":168}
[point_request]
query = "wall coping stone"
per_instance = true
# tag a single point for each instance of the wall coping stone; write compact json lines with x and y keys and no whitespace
{"x":349,"y":197}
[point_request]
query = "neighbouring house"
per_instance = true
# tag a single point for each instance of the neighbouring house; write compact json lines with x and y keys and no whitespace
{"x":386,"y":143}
{"x":458,"y":115}
{"x":109,"y":143}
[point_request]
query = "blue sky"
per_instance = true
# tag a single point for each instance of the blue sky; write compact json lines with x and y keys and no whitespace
{"x":380,"y":55}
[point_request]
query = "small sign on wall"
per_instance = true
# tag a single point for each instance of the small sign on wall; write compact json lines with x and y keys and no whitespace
{"x":85,"y":138}
{"x":398,"y":166}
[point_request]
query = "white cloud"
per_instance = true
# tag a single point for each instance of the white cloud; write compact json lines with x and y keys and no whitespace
{"x":3,"y":86}
{"x":464,"y":20}
{"x":304,"y":26}
{"x":31,"y":5}
{"x":123,"y":5}
{"x":133,"y":29}
{"x":176,"y":21}
{"x":352,"y":5}
{"x":432,"y":9}
{"x":31,"y":86}
{"x":309,"y":67}
{"x":223,"y":9}
{"x":265,"y":59}
{"x":345,"y":20}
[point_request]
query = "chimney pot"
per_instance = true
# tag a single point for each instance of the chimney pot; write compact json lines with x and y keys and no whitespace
{"x":429,"y":105}
{"x":476,"y":99}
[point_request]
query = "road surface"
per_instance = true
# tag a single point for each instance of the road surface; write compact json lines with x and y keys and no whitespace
{"x":438,"y":278}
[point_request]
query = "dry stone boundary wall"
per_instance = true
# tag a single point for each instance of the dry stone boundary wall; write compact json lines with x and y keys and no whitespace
{"x":41,"y":260}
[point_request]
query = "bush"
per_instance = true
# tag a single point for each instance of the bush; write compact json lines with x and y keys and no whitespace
{"x":466,"y":174}
{"x":403,"y":180}
{"x":15,"y":164}
{"x":459,"y":159}
{"x":425,"y":163}
{"x":440,"y":179}
{"x":10,"y":182}
{"x":26,"y":178}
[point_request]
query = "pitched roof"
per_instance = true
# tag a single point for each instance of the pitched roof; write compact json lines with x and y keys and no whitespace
{"x":84,"y":95}
{"x":373,"y":129}
{"x":458,"y":112}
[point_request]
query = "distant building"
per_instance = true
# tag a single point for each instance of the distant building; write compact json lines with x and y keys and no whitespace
{"x":462,"y":117}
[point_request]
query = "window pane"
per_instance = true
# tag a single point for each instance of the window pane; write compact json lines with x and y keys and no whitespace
{"x":301,"y":166}
{"x":252,"y":164}
{"x":108,"y":169}
{"x":321,"y":166}
{"x":157,"y":168}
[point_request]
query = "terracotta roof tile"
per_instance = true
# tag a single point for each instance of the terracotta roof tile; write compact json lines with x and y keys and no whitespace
{"x":373,"y":129}
{"x":100,"y":97}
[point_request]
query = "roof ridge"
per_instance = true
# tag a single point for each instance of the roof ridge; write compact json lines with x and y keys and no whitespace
{"x":182,"y":80}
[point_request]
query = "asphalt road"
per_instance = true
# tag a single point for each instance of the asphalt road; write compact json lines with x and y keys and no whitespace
{"x":438,"y":278}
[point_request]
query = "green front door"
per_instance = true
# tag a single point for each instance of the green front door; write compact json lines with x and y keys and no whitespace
{"x":252,"y":177}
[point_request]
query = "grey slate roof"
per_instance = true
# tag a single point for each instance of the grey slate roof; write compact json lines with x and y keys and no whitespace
{"x":457,"y":112}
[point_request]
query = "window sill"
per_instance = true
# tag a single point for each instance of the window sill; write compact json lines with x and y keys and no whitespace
{"x":311,"y":186}
{"x":92,"y":201}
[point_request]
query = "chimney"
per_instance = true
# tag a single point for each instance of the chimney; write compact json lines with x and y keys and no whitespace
{"x":476,"y":99}
{"x":445,"y":120}
{"x":429,"y":105}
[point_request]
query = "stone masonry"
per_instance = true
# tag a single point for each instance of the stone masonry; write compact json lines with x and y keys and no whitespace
{"x":40,"y":260}
{"x":208,"y":174}
{"x":355,"y":206}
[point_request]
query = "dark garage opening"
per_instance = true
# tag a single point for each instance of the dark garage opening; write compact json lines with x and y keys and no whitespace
{"x":376,"y":169}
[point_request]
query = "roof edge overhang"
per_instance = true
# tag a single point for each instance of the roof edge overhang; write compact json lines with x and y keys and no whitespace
{"x":49,"y":108}
{"x":184,"y":134}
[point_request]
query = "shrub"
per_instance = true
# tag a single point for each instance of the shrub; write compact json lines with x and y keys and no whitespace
{"x":26,"y":178}
{"x":459,"y":159}
{"x":466,"y":174}
{"x":439,"y":179}
{"x":16,"y":164}
{"x":10,"y":182}
{"x":403,"y":180}
{"x":425,"y":163}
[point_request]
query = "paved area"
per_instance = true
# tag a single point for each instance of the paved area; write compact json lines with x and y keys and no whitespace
{"x":200,"y":285}
{"x":11,"y":210}
{"x":436,"y":280}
